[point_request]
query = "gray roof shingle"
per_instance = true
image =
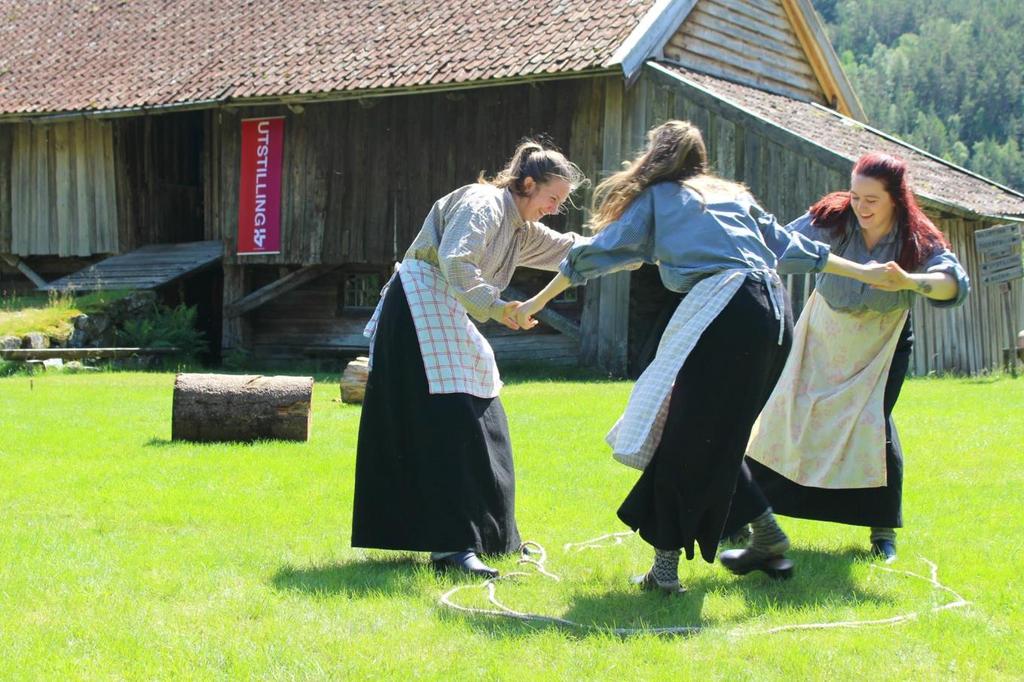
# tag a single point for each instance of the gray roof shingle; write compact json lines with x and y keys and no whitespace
{"x":931,"y":177}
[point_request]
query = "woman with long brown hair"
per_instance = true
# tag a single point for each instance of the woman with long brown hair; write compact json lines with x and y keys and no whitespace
{"x":688,"y":419}
{"x":825,"y":446}
{"x":434,"y":465}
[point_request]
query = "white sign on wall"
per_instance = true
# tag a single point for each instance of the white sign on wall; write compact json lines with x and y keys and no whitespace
{"x":999,"y":248}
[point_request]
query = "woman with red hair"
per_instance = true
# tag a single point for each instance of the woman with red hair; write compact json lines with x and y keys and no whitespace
{"x":825,"y":446}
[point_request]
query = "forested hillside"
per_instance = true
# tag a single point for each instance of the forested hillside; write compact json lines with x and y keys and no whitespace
{"x":945,"y":75}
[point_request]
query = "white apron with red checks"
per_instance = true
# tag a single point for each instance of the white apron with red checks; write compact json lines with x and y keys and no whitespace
{"x":456,"y":356}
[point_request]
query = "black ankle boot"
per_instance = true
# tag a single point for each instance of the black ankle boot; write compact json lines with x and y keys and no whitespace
{"x":743,"y":561}
{"x":884,"y":549}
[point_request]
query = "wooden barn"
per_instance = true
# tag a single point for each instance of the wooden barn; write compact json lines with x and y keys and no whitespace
{"x":122,"y":134}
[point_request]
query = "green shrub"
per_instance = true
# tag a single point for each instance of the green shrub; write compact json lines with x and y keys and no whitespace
{"x":8,"y":368}
{"x":166,"y":327}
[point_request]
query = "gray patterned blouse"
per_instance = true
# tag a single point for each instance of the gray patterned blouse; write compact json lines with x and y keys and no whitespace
{"x":477,"y":238}
{"x":849,"y":295}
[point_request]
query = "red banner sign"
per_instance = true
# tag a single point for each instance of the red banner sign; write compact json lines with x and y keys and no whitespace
{"x":259,"y":191}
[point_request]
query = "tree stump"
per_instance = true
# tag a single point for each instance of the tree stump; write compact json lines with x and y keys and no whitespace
{"x":353,"y":380}
{"x":226,"y":407}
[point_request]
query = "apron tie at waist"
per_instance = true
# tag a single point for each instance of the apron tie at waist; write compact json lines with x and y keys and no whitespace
{"x":777,"y":296}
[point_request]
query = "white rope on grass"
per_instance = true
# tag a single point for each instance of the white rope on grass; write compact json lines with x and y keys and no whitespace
{"x":506,"y":612}
{"x":529,"y":549}
{"x":902,"y":618}
{"x":599,"y":542}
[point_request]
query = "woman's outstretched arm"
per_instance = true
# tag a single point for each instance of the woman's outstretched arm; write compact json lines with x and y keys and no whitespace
{"x":527,"y":309}
{"x":938,"y":286}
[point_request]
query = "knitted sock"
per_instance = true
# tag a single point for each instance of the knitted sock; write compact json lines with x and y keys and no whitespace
{"x":740,"y":537}
{"x":878,"y":534}
{"x":768,"y":538}
{"x":666,"y":566}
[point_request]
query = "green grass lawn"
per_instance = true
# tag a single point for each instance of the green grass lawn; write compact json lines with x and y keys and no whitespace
{"x":125,"y":555}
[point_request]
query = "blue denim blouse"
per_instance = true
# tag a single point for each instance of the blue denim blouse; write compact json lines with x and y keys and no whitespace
{"x":669,"y":225}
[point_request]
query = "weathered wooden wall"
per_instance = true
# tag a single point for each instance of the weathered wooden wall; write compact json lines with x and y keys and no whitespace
{"x":969,"y":338}
{"x":6,"y":159}
{"x":88,"y":187}
{"x":359,"y":176}
{"x":747,"y":41}
{"x":308,"y":322}
{"x":62,"y":195}
{"x":601,"y":134}
{"x":159,"y":179}
{"x":787,"y":174}
{"x":358,"y":179}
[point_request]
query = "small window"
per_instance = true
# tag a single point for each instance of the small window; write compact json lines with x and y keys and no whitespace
{"x":360,"y":292}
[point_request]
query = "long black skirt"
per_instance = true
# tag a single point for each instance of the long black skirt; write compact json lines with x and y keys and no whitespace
{"x":879,"y":507}
{"x":433,"y":472}
{"x":684,"y":495}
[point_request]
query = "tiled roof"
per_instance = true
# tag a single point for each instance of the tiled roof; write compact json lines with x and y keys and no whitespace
{"x":931,"y":177}
{"x":71,"y":55}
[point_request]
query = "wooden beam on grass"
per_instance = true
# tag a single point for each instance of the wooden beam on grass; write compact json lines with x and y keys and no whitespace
{"x":81,"y":353}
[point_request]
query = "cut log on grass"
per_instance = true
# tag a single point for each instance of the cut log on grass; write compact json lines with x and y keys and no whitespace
{"x":226,"y":407}
{"x":353,"y":380}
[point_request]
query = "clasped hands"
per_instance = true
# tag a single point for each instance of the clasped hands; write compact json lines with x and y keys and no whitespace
{"x":882,"y":276}
{"x":518,"y":315}
{"x":886,"y":276}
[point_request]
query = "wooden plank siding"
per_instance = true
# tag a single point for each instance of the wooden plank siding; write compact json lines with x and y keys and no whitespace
{"x":613,"y":316}
{"x":6,"y":180}
{"x":60,"y":201}
{"x":585,"y":150}
{"x":787,"y":174}
{"x":971,"y":338}
{"x":358,"y":180}
{"x":746,"y":41}
{"x":159,"y":179}
{"x":308,"y":321}
{"x":359,"y":176}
